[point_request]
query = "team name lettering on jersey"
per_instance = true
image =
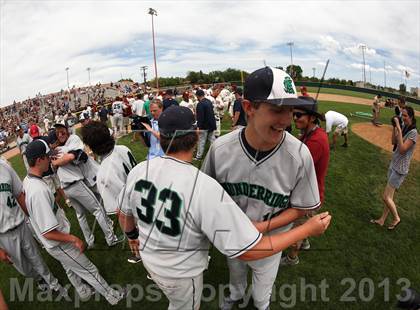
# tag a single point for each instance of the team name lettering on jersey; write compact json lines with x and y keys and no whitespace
{"x":275,"y":200}
{"x":5,"y":187}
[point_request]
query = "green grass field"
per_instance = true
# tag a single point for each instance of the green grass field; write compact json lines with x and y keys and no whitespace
{"x":342,"y":92}
{"x":355,"y":265}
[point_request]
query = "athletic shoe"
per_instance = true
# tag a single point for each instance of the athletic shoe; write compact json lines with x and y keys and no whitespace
{"x":149,"y":277}
{"x":115,"y":299}
{"x":134,"y":259}
{"x":117,"y":240}
{"x":344,"y":145}
{"x":197,"y":158}
{"x":90,"y":246}
{"x":287,"y":261}
{"x":228,"y":303}
{"x":305,"y":245}
{"x":42,"y":285}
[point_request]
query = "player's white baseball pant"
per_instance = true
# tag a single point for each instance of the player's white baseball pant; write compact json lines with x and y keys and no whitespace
{"x":118,"y":123}
{"x":25,"y":162}
{"x":78,"y":267}
{"x":184,"y":293}
{"x":264,"y":273}
{"x":203,"y":136}
{"x":23,"y":251}
{"x":83,"y":200}
{"x":218,"y":126}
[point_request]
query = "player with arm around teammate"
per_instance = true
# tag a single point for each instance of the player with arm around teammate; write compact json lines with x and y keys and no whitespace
{"x":17,"y":246}
{"x":171,"y":212}
{"x":269,"y":173}
{"x":77,"y":173}
{"x":116,"y":162}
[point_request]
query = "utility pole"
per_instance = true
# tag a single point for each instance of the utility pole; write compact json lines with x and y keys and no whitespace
{"x":384,"y":75}
{"x":313,"y":70}
{"x":153,"y":12}
{"x":290,"y":44}
{"x":363,"y":47}
{"x":144,"y":68}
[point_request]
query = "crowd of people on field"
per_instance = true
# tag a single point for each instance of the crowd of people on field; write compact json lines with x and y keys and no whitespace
{"x":235,"y":189}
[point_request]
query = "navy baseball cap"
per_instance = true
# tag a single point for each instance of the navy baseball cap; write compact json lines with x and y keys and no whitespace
{"x":176,"y":121}
{"x":311,"y":107}
{"x":273,"y":86}
{"x":37,"y":148}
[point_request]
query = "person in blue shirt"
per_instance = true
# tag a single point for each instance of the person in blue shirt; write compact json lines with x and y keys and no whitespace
{"x":155,"y":149}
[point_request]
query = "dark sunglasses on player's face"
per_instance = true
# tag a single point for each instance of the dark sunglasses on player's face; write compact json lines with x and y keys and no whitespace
{"x":299,"y":114}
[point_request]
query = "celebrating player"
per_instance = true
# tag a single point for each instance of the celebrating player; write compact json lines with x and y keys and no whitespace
{"x":174,"y":211}
{"x":77,"y":181}
{"x":17,"y":245}
{"x":116,"y":162}
{"x":268,"y":173}
{"x":53,"y":229}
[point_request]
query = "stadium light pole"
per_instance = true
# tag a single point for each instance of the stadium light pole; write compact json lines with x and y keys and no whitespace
{"x":68,"y":84}
{"x":88,"y":70}
{"x":384,"y":75}
{"x":144,"y":68}
{"x":153,"y":12}
{"x":290,"y":44}
{"x":363,"y":47}
{"x":314,"y":69}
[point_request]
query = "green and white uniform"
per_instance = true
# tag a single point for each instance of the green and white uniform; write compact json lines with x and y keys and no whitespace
{"x":45,"y":216}
{"x":22,"y":143}
{"x":179,"y":212}
{"x":15,"y":236}
{"x":77,"y":181}
{"x":284,"y":178}
{"x":112,"y":176}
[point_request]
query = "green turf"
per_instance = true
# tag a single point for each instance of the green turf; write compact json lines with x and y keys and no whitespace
{"x":351,"y":249}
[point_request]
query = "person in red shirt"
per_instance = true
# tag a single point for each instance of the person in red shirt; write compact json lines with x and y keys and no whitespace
{"x":307,"y":119}
{"x":304,"y":91}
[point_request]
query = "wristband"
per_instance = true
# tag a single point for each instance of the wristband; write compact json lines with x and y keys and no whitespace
{"x":132,"y":235}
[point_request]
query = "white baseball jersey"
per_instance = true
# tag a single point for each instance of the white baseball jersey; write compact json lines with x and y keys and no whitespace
{"x":23,"y":142}
{"x":263,"y":189}
{"x":112,"y":176}
{"x":137,"y":107}
{"x":333,"y":118}
{"x":179,"y":211}
{"x":10,"y":188}
{"x":70,"y":173}
{"x":117,"y":107}
{"x":44,"y":214}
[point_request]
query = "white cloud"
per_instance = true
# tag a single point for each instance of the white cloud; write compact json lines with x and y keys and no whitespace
{"x":330,"y":44}
{"x":38,"y":39}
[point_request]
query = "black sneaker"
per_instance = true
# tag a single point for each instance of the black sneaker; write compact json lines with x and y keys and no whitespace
{"x":344,"y":145}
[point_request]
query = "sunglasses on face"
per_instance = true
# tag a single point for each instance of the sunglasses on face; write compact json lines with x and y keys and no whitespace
{"x":299,"y":114}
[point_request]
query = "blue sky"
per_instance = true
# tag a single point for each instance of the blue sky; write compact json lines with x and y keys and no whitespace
{"x":39,"y":39}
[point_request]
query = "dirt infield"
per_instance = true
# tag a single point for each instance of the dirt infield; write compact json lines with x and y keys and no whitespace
{"x":347,"y":99}
{"x":379,"y":136}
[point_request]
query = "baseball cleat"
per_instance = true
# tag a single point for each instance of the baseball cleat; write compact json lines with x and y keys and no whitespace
{"x":134,"y":259}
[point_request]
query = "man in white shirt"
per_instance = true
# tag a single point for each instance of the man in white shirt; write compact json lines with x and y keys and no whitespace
{"x":341,"y":122}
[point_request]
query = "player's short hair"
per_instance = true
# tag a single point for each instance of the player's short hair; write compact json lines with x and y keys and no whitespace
{"x":32,"y":161}
{"x":158,"y":102}
{"x":96,"y":135}
{"x":179,"y":144}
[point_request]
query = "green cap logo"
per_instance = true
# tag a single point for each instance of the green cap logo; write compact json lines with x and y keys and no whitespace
{"x":288,"y":85}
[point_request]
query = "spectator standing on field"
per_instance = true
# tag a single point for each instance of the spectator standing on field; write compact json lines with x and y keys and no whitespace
{"x":206,"y":123}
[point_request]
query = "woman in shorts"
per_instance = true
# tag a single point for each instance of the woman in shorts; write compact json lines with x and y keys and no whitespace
{"x":404,"y":140}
